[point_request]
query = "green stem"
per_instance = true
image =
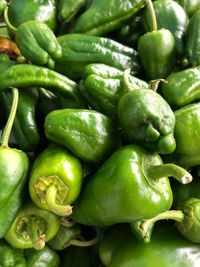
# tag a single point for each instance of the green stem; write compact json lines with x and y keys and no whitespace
{"x":11,"y":118}
{"x":37,"y":239}
{"x":126,"y":81}
{"x":169,"y":169}
{"x":79,"y":243}
{"x":153,"y":84}
{"x":151,"y":10}
{"x":51,"y":194}
{"x":7,"y":21}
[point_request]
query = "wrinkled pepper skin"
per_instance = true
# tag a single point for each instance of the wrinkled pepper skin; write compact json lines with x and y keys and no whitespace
{"x":27,"y":75}
{"x":32,"y":227}
{"x":38,"y":43}
{"x":157,"y":53}
{"x":103,"y":86}
{"x":79,"y":50}
{"x":190,"y":6}
{"x":170,"y":15}
{"x":25,"y":130}
{"x":104,"y":16}
{"x":122,"y":190}
{"x":10,"y":256}
{"x":55,"y":166}
{"x":192,"y":47}
{"x":42,"y":258}
{"x":20,"y":11}
{"x":146,"y":118}
{"x":182,"y":87}
{"x":67,"y":9}
{"x":73,"y":128}
{"x":187,"y":151}
{"x":166,"y":247}
{"x":13,"y":176}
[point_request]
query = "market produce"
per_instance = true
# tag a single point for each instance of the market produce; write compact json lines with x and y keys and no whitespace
{"x":99,"y":121}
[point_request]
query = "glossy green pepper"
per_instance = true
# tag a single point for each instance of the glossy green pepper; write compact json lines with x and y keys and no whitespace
{"x":182,"y":87}
{"x":131,"y":184}
{"x":146,"y":118}
{"x":20,"y":11}
{"x":192,"y":49}
{"x":88,"y":134}
{"x":10,"y":256}
{"x":67,"y":9}
{"x":169,"y":15}
{"x":43,"y":258}
{"x":167,"y":248}
{"x":103,"y":86}
{"x":27,"y":75}
{"x":156,"y":49}
{"x":32,"y":227}
{"x":25,"y":129}
{"x":37,"y":43}
{"x":55,"y":180}
{"x":103,"y":16}
{"x":13,"y":174}
{"x":190,"y":6}
{"x":79,"y":50}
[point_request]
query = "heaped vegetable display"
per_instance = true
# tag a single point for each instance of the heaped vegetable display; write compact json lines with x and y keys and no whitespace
{"x":100,"y":133}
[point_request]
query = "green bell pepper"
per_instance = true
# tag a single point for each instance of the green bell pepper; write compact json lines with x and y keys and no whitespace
{"x":192,"y":39}
{"x":43,"y":258}
{"x":13,"y":174}
{"x":167,"y":248}
{"x":131,"y":184}
{"x":88,"y":134}
{"x":190,"y":6}
{"x":103,"y":16}
{"x":20,"y":11}
{"x":10,"y":256}
{"x":169,"y":15}
{"x":146,"y":118}
{"x":182,"y":87}
{"x":32,"y":227}
{"x":38,"y":43}
{"x":103,"y":86}
{"x":55,"y":180}
{"x":79,"y":50}
{"x":156,"y":49}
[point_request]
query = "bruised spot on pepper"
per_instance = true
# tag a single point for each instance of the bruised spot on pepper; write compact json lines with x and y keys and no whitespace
{"x":9,"y":47}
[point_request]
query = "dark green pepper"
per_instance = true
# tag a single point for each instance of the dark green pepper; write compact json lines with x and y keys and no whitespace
{"x":43,"y":258}
{"x":182,"y":87}
{"x":103,"y":16}
{"x":55,"y":180}
{"x":25,"y":130}
{"x":167,"y":247}
{"x":27,"y":75}
{"x":67,"y":9}
{"x":38,"y":43}
{"x":169,"y":15}
{"x":131,"y":184}
{"x":79,"y":50}
{"x":103,"y":86}
{"x":20,"y":11}
{"x":192,"y":47}
{"x":10,"y":256}
{"x":32,"y":227}
{"x":88,"y":134}
{"x":146,"y":118}
{"x":13,"y":174}
{"x":156,"y":49}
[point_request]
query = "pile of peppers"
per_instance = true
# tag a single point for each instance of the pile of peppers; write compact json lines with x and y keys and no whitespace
{"x":100,"y":133}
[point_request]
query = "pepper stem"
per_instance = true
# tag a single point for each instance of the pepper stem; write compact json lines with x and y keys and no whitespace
{"x":80,"y":243}
{"x":143,"y":229}
{"x":34,"y":232}
{"x":7,"y":21}
{"x":11,"y":118}
{"x":61,"y":210}
{"x":153,"y":84}
{"x":169,"y":169}
{"x":126,"y":81}
{"x":151,"y":10}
